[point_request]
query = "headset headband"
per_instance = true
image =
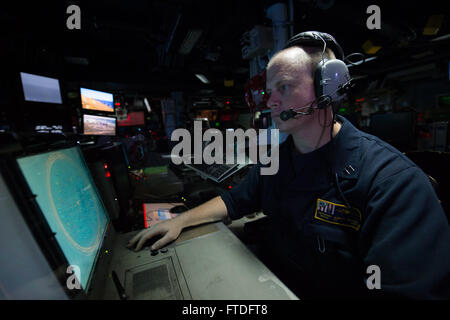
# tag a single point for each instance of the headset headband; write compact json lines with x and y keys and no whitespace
{"x":314,"y":39}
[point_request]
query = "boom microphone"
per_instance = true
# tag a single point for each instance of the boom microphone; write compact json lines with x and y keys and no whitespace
{"x":286,"y":115}
{"x":320,"y":103}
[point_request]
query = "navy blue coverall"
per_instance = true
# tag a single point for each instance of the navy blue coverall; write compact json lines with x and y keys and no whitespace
{"x":396,"y":221}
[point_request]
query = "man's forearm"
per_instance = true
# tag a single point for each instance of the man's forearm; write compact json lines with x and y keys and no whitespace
{"x":210,"y":211}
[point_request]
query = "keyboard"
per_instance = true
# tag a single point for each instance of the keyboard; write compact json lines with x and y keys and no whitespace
{"x":217,"y":172}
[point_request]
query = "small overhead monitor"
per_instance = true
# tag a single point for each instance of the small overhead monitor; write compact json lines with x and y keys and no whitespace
{"x":70,"y":204}
{"x":133,"y":119}
{"x":40,"y":89}
{"x":96,"y":100}
{"x":98,"y":125}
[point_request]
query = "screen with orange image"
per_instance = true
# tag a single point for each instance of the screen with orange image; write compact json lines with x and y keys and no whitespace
{"x":96,"y":100}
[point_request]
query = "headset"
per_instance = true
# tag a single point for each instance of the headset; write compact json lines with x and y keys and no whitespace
{"x":331,"y":77}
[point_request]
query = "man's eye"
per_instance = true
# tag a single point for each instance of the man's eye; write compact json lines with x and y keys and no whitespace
{"x":282,"y":88}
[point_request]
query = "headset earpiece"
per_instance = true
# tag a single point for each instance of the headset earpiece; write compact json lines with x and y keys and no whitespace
{"x":330,"y":75}
{"x":329,"y":78}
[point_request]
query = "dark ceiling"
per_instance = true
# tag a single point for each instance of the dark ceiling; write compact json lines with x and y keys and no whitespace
{"x":133,"y":45}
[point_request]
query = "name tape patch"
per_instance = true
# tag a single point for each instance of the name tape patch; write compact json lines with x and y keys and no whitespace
{"x":338,"y":214}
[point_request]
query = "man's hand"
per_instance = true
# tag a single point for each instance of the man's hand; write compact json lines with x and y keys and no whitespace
{"x":211,"y":211}
{"x":169,"y":229}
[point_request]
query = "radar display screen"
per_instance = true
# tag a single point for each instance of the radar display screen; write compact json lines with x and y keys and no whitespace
{"x":71,"y":204}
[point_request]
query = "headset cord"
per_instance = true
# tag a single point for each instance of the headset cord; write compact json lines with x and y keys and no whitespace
{"x":332,"y":159}
{"x":323,"y":130}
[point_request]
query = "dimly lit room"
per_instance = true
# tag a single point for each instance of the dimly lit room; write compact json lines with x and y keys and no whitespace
{"x":225,"y":150}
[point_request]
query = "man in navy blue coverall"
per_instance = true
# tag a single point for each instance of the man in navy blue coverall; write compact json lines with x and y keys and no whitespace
{"x":395,"y":222}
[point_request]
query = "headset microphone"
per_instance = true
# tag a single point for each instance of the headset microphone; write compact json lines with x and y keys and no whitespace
{"x":286,"y":115}
{"x":320,"y":103}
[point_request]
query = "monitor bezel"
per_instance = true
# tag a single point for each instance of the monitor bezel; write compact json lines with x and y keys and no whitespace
{"x":38,"y":226}
{"x":24,"y":111}
{"x":83,"y":292}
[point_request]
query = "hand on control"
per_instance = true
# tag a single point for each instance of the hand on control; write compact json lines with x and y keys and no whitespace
{"x":169,"y":229}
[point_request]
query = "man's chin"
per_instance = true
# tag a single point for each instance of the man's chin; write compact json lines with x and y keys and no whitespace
{"x":281,"y":125}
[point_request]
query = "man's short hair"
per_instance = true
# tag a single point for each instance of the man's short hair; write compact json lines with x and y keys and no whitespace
{"x":315,"y":55}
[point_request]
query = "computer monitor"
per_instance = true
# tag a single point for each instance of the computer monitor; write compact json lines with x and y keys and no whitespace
{"x":96,"y":100}
{"x":396,"y":129}
{"x":133,"y":119}
{"x":98,"y":125}
{"x":40,"y":89}
{"x":71,"y":205}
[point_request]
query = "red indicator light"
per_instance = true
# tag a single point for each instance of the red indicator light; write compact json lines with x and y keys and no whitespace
{"x":117,"y":104}
{"x":229,"y":187}
{"x":145,"y":215}
{"x":105,"y":166}
{"x":107,"y":174}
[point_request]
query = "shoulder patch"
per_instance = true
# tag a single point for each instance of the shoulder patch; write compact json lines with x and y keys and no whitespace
{"x":338,"y":214}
